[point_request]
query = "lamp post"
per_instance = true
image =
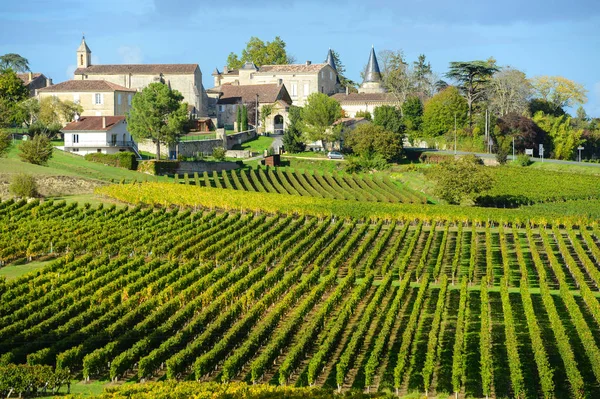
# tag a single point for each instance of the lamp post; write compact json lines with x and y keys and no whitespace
{"x":256,"y":115}
{"x":580,"y":148}
{"x":513,"y":148}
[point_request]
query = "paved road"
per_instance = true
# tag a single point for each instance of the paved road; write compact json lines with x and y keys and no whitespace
{"x":492,"y":156}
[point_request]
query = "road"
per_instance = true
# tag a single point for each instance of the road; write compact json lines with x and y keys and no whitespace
{"x":493,"y":156}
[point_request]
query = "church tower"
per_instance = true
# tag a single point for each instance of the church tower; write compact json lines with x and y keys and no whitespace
{"x":84,"y":55}
{"x":372,"y":82}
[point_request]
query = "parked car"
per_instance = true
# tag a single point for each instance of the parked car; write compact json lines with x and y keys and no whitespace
{"x":335,"y":155}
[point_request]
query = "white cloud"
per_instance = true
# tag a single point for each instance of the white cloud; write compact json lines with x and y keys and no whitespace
{"x":130,"y":54}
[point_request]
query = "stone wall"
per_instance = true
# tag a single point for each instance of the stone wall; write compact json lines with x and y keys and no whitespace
{"x":239,"y":138}
{"x":242,"y":154}
{"x":149,"y":146}
{"x":193,"y":148}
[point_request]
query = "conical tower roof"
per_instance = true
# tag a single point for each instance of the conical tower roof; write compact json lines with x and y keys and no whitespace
{"x":330,"y":61}
{"x":372,"y":73}
{"x":83,"y":46}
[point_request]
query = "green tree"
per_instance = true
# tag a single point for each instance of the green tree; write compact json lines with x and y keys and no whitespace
{"x":37,"y":150}
{"x":413,"y":116}
{"x":24,"y":186}
{"x":564,"y":136}
{"x":461,"y":180}
{"x":15,"y":62}
{"x":369,"y":140}
{"x":318,"y":116}
{"x":363,"y":114}
{"x":472,"y":78}
{"x":397,"y":77}
{"x":157,"y":113}
{"x":261,"y":53}
{"x":47,"y":116}
{"x":292,"y":138}
{"x":239,"y":118}
{"x":265,"y":111}
{"x":440,"y":110}
{"x":423,"y":77}
{"x":390,"y":118}
{"x":244,"y":118}
{"x":5,"y":143}
{"x":509,"y":92}
{"x":12,"y":92}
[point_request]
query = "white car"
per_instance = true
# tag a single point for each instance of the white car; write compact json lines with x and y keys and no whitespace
{"x":335,"y":155}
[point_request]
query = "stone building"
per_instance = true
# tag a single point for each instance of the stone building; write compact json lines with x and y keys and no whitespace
{"x":185,"y":78}
{"x":371,"y":94}
{"x":103,"y":134}
{"x":34,"y":81}
{"x":300,"y":80}
{"x":96,"y":97}
{"x":229,"y":97}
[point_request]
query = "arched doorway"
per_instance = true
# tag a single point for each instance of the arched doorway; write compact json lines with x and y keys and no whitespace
{"x":278,"y":124}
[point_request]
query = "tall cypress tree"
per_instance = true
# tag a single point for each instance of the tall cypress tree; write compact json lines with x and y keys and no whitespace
{"x":244,"y":118}
{"x":239,"y":118}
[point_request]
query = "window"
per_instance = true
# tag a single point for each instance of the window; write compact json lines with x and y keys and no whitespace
{"x":294,"y":89}
{"x":76,"y":98}
{"x":98,"y":98}
{"x":75,"y":138}
{"x":221,"y":108}
{"x":306,"y":88}
{"x":119,"y":99}
{"x":113,"y":139}
{"x":322,"y":74}
{"x":98,"y":150}
{"x":129,"y":99}
{"x":75,"y":149}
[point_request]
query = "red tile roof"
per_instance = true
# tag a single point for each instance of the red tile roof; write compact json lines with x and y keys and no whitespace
{"x":25,"y":77}
{"x":364,"y":97}
{"x":93,"y":123}
{"x":148,"y":69}
{"x":85,"y":85}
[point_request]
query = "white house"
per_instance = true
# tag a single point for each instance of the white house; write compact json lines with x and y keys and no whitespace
{"x":105,"y":134}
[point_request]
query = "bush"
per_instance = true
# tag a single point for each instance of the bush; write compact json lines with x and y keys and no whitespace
{"x":501,"y":156}
{"x":219,"y":153}
{"x":358,"y":164}
{"x":5,"y":143}
{"x":523,"y":160}
{"x":125,"y":160}
{"x":37,"y":150}
{"x":461,"y":179}
{"x":158,"y":167}
{"x":24,"y":186}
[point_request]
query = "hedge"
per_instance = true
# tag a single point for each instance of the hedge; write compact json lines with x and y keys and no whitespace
{"x":158,"y":167}
{"x":125,"y":160}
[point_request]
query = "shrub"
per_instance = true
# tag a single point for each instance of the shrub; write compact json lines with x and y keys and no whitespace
{"x":5,"y":143}
{"x":158,"y":167}
{"x":523,"y":160}
{"x":125,"y":160}
{"x":219,"y":153}
{"x":501,"y":156}
{"x":37,"y":150}
{"x":24,"y":186}
{"x":461,"y":179}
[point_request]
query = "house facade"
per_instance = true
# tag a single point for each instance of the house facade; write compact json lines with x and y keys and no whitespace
{"x":34,"y":81}
{"x":96,"y":97}
{"x":104,"y":134}
{"x":230,"y":97}
{"x":301,"y":80}
{"x":185,"y":78}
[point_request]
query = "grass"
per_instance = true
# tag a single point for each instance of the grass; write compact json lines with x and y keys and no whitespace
{"x":584,"y":168}
{"x":66,"y":164}
{"x":308,"y":154}
{"x":92,"y":199}
{"x":259,"y":144}
{"x":324,"y":165}
{"x":11,"y":272}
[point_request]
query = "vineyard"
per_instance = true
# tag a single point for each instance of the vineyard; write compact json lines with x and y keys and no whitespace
{"x":434,"y":306}
{"x":308,"y":184}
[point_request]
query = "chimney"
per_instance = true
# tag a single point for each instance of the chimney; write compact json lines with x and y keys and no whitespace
{"x":347,"y":90}
{"x":104,"y":122}
{"x":30,"y":76}
{"x":308,"y":62}
{"x":48,"y":82}
{"x":225,"y":70}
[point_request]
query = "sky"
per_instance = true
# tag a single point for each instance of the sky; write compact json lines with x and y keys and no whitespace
{"x":539,"y":37}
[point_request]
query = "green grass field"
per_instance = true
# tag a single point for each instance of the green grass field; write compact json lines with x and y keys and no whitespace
{"x":259,"y":144}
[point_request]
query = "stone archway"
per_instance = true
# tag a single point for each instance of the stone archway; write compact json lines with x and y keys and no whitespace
{"x":278,"y":124}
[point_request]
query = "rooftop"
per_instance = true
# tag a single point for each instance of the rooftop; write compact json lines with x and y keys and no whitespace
{"x":85,"y":85}
{"x":94,"y":123}
{"x":267,"y":93}
{"x":149,"y":69}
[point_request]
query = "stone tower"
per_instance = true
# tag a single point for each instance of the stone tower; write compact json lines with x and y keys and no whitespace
{"x":372,"y":82}
{"x":84,"y":55}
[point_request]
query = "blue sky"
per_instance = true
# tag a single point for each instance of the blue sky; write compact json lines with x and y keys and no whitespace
{"x":538,"y":37}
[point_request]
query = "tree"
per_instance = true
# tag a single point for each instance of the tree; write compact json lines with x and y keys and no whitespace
{"x":23,"y":186}
{"x":341,"y":70}
{"x":15,"y":62}
{"x":423,"y":77}
{"x":244,"y":118}
{"x":261,"y":53}
{"x":318,"y":116}
{"x":461,"y":179}
{"x":239,"y":119}
{"x":440,"y":111}
{"x":47,"y":116}
{"x":397,"y":77}
{"x":363,"y":114}
{"x":413,"y":114}
{"x":369,"y":140}
{"x":292,"y":138}
{"x":157,"y":113}
{"x":37,"y":150}
{"x":12,"y":92}
{"x":565,"y":138}
{"x":527,"y":133}
{"x":509,"y":92}
{"x":560,"y":92}
{"x":539,"y":104}
{"x":5,"y":143}
{"x":472,"y":78}
{"x":390,"y":118}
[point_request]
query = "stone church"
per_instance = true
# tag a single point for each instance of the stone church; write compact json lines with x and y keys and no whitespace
{"x":185,"y":78}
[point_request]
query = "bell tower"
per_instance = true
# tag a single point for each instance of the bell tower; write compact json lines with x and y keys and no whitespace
{"x":84,"y":55}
